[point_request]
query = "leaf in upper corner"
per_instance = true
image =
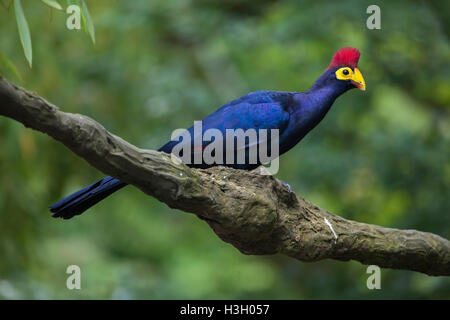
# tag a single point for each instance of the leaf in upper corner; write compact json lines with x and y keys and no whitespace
{"x":24,"y":31}
{"x":88,"y":20}
{"x":8,"y":65}
{"x":7,"y":6}
{"x":53,"y":3}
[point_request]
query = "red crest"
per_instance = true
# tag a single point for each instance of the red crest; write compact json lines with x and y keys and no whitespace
{"x":345,"y":57}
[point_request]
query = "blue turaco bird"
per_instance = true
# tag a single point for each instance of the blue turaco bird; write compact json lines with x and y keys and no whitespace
{"x":294,"y":114}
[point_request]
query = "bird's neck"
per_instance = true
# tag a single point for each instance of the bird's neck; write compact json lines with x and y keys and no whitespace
{"x":325,"y":91}
{"x":321,"y":98}
{"x":315,"y":103}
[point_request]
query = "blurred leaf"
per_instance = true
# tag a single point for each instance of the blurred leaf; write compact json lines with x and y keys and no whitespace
{"x":9,"y":66}
{"x":6,"y":6}
{"x":53,"y":3}
{"x":24,"y":32}
{"x":87,"y":19}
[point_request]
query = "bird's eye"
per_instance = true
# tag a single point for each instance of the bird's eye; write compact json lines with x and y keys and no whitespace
{"x":344,"y":73}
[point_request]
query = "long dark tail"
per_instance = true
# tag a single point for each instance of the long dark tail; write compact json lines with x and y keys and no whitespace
{"x":85,"y":198}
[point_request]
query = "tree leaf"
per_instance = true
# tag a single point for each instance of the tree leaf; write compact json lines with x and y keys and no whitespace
{"x":24,"y":31}
{"x":88,"y":20}
{"x":7,"y":6}
{"x":53,"y":3}
{"x":8,"y":65}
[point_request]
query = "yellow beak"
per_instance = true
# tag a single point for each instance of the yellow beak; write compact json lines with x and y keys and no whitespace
{"x":358,"y":80}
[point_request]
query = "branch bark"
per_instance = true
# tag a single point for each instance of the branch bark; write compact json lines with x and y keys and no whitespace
{"x":253,"y":212}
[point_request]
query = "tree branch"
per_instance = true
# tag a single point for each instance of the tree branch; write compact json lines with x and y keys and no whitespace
{"x":253,"y":212}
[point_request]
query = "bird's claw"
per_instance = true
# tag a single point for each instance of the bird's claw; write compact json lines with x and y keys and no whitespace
{"x":286,"y":185}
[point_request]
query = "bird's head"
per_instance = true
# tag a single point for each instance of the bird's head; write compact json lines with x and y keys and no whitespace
{"x":342,"y":73}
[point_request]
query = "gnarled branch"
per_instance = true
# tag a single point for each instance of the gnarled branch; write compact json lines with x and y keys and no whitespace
{"x":253,"y":212}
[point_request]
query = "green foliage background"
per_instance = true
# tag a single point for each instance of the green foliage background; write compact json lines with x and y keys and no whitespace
{"x":380,"y":156}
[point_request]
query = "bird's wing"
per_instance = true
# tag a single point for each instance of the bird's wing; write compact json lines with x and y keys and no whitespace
{"x":258,"y":110}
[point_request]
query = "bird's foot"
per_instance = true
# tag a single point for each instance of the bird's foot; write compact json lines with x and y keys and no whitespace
{"x":262,"y":170}
{"x":286,"y":185}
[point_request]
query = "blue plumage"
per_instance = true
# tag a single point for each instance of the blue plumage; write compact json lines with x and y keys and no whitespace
{"x":293,"y":113}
